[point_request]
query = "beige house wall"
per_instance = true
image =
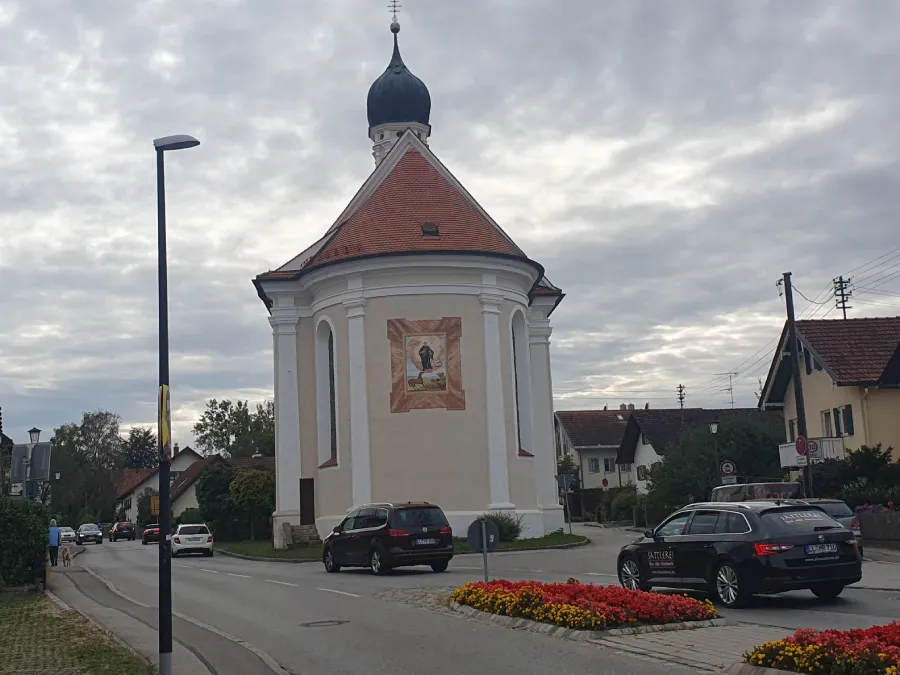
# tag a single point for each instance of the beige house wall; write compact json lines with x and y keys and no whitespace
{"x":883,"y":418}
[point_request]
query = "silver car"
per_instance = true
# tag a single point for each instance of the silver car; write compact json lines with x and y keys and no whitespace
{"x":66,"y":535}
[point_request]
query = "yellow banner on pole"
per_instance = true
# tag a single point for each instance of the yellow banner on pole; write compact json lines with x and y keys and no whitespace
{"x":165,"y":423}
{"x":154,"y":506}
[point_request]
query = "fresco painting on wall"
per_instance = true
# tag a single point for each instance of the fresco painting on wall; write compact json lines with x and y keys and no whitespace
{"x":425,"y":364}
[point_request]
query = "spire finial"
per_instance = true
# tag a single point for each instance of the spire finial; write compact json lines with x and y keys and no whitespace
{"x":394,"y":6}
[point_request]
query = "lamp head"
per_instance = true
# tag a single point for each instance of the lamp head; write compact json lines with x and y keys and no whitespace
{"x":177,"y":142}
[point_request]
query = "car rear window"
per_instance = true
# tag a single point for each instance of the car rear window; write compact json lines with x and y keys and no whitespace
{"x":422,"y":517}
{"x":193,"y":529}
{"x":151,"y":526}
{"x":89,"y":528}
{"x":836,"y":509}
{"x":798,"y":520}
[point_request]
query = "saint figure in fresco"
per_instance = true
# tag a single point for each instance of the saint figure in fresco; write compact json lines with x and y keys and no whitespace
{"x":426,"y":353}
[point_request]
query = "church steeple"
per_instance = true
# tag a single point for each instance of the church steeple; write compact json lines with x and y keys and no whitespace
{"x":397,"y":101}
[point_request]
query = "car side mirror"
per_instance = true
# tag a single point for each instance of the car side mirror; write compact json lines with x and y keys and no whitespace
{"x":648,"y":534}
{"x":337,"y":529}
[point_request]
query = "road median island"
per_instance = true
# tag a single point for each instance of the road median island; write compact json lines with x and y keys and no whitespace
{"x":868,"y":651}
{"x":578,"y":611}
{"x":556,"y":540}
{"x":39,"y":637}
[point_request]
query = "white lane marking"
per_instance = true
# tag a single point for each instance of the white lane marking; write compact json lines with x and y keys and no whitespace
{"x":283,"y":583}
{"x":203,"y":569}
{"x":190,"y":567}
{"x":460,"y":567}
{"x":331,"y":590}
{"x":600,"y":574}
{"x":242,"y":576}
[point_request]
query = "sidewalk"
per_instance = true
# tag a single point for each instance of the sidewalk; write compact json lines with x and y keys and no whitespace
{"x":881,"y":573}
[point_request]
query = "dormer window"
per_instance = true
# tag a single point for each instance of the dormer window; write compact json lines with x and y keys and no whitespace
{"x":430,"y":229}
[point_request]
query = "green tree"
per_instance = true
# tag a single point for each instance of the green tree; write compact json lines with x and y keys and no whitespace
{"x":235,"y":429}
{"x":140,"y":449}
{"x":691,"y":467}
{"x":144,"y":506}
{"x":253,"y":492}
{"x":214,"y":499}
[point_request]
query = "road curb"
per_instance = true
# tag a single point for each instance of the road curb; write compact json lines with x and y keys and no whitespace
{"x":550,"y":630}
{"x":260,"y":558}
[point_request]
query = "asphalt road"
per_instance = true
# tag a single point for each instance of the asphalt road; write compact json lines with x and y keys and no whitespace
{"x":268,"y":605}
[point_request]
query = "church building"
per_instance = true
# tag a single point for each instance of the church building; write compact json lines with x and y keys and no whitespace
{"x":412,"y":346}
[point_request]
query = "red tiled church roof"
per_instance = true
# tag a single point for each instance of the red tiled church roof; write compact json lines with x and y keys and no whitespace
{"x":854,"y":350}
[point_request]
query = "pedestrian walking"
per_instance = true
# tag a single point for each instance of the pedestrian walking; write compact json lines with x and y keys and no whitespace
{"x":55,"y":534}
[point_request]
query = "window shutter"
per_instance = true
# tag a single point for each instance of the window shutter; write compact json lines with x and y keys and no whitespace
{"x":848,"y":420}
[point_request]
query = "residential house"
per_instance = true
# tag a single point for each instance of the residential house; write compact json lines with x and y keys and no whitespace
{"x":132,"y":482}
{"x":184,"y":491}
{"x":650,"y":434}
{"x":850,"y":376}
{"x":593,"y":438}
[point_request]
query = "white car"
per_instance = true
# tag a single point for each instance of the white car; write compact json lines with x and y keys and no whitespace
{"x":66,"y":535}
{"x":192,"y":539}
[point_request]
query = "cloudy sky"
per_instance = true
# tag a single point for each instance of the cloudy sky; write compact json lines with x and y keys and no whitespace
{"x":665,"y":161}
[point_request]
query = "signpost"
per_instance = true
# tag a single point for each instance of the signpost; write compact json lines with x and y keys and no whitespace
{"x":154,"y":506}
{"x":565,"y":481}
{"x":812,"y":448}
{"x":728,"y":471}
{"x":484,"y":537}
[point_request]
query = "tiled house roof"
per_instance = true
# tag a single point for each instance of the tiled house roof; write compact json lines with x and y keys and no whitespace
{"x":129,"y":479}
{"x":587,"y":428}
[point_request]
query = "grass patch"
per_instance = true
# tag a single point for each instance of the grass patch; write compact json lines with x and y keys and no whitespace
{"x":264,"y":549}
{"x":460,"y":545}
{"x":38,"y":637}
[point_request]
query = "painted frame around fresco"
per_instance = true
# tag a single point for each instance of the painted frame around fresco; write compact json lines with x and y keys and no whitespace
{"x":403,"y":399}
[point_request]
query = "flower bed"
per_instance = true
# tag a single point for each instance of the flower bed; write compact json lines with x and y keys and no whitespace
{"x":581,"y":606}
{"x":870,"y":651}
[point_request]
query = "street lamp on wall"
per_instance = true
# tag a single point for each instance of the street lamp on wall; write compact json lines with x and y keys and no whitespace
{"x":34,"y":434}
{"x":713,"y":428}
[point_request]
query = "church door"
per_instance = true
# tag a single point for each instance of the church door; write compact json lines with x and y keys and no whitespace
{"x":307,"y":501}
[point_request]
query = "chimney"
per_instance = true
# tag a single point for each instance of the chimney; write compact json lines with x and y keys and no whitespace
{"x":647,"y":406}
{"x":605,"y":407}
{"x":623,"y":407}
{"x":631,"y":406}
{"x":176,"y":449}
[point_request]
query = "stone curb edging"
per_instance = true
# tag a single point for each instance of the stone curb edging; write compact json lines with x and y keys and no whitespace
{"x":108,"y":633}
{"x":747,"y":669}
{"x":571,"y":633}
{"x":259,"y":558}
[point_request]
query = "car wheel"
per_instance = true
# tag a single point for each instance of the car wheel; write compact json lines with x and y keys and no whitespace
{"x":440,"y":566}
{"x":328,"y":559}
{"x":144,"y":542}
{"x":376,"y":562}
{"x":630,"y":575}
{"x":208,"y":554}
{"x":728,"y":587}
{"x":828,"y":591}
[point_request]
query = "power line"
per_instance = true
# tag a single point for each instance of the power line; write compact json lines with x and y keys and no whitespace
{"x":812,"y":302}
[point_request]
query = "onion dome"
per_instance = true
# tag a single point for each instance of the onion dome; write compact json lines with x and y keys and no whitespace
{"x":398,"y":96}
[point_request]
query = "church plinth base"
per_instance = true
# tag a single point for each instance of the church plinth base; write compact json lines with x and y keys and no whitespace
{"x":279,"y":520}
{"x":553,"y":518}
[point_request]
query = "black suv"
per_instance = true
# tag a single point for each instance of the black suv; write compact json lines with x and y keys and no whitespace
{"x":384,"y":536}
{"x":122,"y":531}
{"x":734,"y":550}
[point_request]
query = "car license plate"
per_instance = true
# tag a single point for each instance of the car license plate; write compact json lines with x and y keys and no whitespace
{"x":815,"y":549}
{"x":425,"y":542}
{"x":193,"y":540}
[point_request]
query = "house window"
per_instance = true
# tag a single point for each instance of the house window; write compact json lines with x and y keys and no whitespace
{"x":843,"y":420}
{"x":644,"y":439}
{"x":521,"y":382}
{"x":127,"y":504}
{"x":827,"y":428}
{"x":792,"y":430}
{"x":593,"y":465}
{"x":625,"y":468}
{"x":642,"y":473}
{"x":837,"y":421}
{"x":609,"y":464}
{"x":326,"y":396}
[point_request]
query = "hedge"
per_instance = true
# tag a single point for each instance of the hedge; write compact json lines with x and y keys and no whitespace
{"x":24,"y":536}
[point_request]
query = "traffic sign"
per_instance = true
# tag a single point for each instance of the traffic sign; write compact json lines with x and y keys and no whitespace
{"x":727,"y":468}
{"x":812,"y":447}
{"x":729,"y":480}
{"x":565,"y":481}
{"x":604,"y":483}
{"x":801,"y":446}
{"x":154,"y":506}
{"x":490,"y":536}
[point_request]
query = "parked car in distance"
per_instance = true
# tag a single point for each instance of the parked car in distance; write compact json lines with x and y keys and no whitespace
{"x":384,"y":536}
{"x":66,"y":535}
{"x":151,"y":533}
{"x":123,"y":530}
{"x":192,"y":539}
{"x":735,"y":550}
{"x":741,"y":492}
{"x":841,"y":513}
{"x":89,"y":532}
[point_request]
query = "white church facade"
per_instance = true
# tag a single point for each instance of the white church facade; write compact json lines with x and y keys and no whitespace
{"x":412,"y":346}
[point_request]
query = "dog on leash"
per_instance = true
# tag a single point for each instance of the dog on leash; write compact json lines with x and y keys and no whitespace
{"x":66,"y":556}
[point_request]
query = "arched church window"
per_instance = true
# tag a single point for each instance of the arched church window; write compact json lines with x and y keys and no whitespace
{"x":326,"y":395}
{"x":522,"y":384}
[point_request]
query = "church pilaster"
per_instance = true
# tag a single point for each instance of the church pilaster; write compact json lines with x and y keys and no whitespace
{"x":360,"y":452}
{"x":498,"y":464}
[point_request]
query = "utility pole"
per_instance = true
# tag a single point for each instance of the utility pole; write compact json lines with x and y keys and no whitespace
{"x":795,"y":375}
{"x":681,"y":395}
{"x":730,"y":388}
{"x":842,"y":294}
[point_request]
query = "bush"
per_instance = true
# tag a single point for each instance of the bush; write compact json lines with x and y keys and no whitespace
{"x":581,"y":606}
{"x":24,"y":536}
{"x":622,"y":507}
{"x":190,"y":517}
{"x":509,"y":526}
{"x":870,"y":651}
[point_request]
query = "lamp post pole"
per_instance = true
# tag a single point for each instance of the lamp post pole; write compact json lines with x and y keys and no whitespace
{"x":165,"y":437}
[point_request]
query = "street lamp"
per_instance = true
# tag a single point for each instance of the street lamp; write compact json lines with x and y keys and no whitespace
{"x":34,"y":434}
{"x":714,"y":430}
{"x":163,"y":145}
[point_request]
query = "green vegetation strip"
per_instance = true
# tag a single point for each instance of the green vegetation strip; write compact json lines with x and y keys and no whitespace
{"x":38,"y":637}
{"x":263,"y":549}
